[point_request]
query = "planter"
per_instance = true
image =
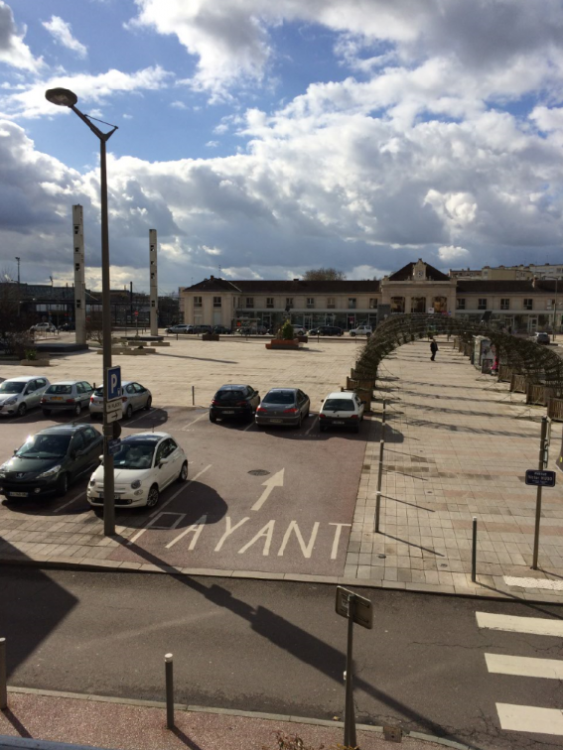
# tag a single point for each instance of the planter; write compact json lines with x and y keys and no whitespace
{"x":303,"y":339}
{"x":210,"y":337}
{"x":355,"y":384}
{"x":283,"y":344}
{"x":555,"y":409}
{"x":35,"y":362}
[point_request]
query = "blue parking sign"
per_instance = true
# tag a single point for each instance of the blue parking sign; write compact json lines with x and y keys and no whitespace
{"x":113,"y":383}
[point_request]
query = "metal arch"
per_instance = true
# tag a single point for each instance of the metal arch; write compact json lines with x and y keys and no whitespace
{"x":540,"y":365}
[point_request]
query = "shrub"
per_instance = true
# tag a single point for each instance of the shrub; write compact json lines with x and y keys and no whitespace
{"x":31,"y":354}
{"x":287,"y":331}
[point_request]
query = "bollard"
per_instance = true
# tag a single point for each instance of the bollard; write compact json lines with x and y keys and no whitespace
{"x":474,"y":552}
{"x":377,"y":510}
{"x":3,"y":685}
{"x":169,"y":667}
{"x":380,"y":470}
{"x":193,"y":395}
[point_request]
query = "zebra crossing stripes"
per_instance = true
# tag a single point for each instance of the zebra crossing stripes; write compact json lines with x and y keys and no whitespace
{"x":530,"y":719}
{"x":524,"y":666}
{"x":511,"y":623}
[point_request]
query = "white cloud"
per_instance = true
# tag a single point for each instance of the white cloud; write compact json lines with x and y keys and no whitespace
{"x":62,"y":33}
{"x":13,"y":50}
{"x":451,"y":253}
{"x":178,"y":105}
{"x":212,"y":144}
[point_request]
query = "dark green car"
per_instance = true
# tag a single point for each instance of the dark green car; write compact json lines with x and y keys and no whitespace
{"x":48,"y":462}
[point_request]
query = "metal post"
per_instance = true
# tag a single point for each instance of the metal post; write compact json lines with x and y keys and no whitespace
{"x":380,"y":471}
{"x":169,"y":673}
{"x":349,"y":719}
{"x":193,"y":395}
{"x":474,"y":552}
{"x":377,"y":510}
{"x":3,"y":685}
{"x":541,"y":467}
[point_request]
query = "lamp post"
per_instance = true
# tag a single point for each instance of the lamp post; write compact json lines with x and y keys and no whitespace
{"x":66,"y":98}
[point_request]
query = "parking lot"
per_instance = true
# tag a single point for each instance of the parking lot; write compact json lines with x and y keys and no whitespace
{"x":279,"y":500}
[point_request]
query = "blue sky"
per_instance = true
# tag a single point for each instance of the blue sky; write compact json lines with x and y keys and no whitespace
{"x":263,"y":139}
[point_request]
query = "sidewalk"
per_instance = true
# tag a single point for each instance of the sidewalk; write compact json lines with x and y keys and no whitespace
{"x":141,"y":725}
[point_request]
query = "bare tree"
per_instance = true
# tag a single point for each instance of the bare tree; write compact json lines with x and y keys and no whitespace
{"x":324,"y":274}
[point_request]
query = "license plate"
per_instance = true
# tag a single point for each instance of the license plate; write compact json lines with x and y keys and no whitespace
{"x":18,"y":494}
{"x":228,"y":411}
{"x":276,"y":421}
{"x":338,"y":421}
{"x":101,"y":497}
{"x":56,"y":398}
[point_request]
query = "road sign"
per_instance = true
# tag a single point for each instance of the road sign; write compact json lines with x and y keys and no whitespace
{"x":114,"y":405}
{"x":540,"y":478}
{"x":113,"y":383}
{"x":113,"y":416}
{"x":362,"y":607}
{"x":114,"y":446}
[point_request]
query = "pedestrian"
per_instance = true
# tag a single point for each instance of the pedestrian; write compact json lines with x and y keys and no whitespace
{"x":433,"y":349}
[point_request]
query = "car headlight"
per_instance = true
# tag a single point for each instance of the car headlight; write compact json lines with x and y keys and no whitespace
{"x":92,"y":481}
{"x":10,"y":402}
{"x":50,"y":472}
{"x":136,"y":484}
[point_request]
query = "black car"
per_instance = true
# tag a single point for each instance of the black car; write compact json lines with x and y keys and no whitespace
{"x":326,"y":331}
{"x":202,"y":329}
{"x":49,"y":461}
{"x":67,"y":327}
{"x":234,"y":401}
{"x":221,"y":329}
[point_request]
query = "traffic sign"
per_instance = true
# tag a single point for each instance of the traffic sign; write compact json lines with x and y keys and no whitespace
{"x":540,"y":478}
{"x":362,"y":607}
{"x":113,"y":383}
{"x":113,"y":416}
{"x":114,"y":446}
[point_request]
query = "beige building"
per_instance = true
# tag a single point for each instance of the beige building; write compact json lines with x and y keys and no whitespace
{"x":510,"y":273}
{"x":521,"y":304}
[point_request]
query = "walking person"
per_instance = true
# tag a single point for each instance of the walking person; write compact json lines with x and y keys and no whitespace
{"x":433,"y":349}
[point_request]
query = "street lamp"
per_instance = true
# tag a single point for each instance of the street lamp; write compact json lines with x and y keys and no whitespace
{"x":66,"y":98}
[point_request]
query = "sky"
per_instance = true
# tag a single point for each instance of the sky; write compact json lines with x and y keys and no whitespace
{"x":262,"y":139}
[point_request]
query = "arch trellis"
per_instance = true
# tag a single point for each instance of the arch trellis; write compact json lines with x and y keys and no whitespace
{"x":539,"y":364}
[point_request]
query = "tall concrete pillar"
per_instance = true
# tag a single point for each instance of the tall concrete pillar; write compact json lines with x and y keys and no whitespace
{"x":79,"y":275}
{"x":154,"y":281}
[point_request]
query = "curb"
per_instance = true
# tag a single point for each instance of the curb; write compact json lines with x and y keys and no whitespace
{"x":145,"y":568}
{"x":210,"y":710}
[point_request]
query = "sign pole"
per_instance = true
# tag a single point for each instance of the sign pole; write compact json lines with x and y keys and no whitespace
{"x":541,"y":467}
{"x":349,"y":718}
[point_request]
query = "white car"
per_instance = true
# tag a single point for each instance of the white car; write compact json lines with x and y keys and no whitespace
{"x":341,"y":409}
{"x":363,"y":330}
{"x":44,"y":328}
{"x":17,"y":395}
{"x":134,"y":396}
{"x":145,"y":464}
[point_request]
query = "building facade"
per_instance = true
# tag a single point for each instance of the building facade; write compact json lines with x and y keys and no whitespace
{"x":522,"y":305}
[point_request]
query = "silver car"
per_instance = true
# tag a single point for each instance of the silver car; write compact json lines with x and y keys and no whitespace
{"x":283,"y":406}
{"x":17,"y":395}
{"x":67,"y":395}
{"x":134,"y":396}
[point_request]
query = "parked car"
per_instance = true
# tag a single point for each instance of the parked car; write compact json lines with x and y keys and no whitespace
{"x":202,"y":329}
{"x":145,"y":464}
{"x":180,"y":328}
{"x":363,"y":330}
{"x":542,"y":338}
{"x":221,"y":329}
{"x":67,"y":327}
{"x":43,"y":328}
{"x":234,"y":401}
{"x":283,"y":406}
{"x":17,"y":395}
{"x":134,"y":396}
{"x":67,"y":395}
{"x":326,"y":331}
{"x":49,"y":461}
{"x":341,"y":409}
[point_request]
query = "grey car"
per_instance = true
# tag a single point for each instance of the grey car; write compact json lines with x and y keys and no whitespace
{"x":67,"y":395}
{"x":134,"y":396}
{"x":283,"y":406}
{"x":17,"y":395}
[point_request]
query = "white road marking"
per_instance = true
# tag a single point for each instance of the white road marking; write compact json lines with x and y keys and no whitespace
{"x":534,"y":583}
{"x":276,"y":480}
{"x":513,"y":624}
{"x":154,"y":526}
{"x":305,"y":549}
{"x":315,"y":420}
{"x":524,"y":666}
{"x":194,"y":529}
{"x":70,"y":502}
{"x":337,"y":533}
{"x":530,"y":719}
{"x":187,"y":426}
{"x":248,"y":426}
{"x":182,"y":488}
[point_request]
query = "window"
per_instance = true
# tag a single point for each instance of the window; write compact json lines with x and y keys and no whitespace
{"x":373,"y":303}
{"x":461,"y":304}
{"x":351,"y":303}
{"x":528,"y":304}
{"x":269,"y":302}
{"x":249,"y":302}
{"x":505,"y":304}
{"x":482,"y":305}
{"x":198,"y":302}
{"x":331,"y":303}
{"x":289,"y":301}
{"x":310,"y":303}
{"x":216,"y":301}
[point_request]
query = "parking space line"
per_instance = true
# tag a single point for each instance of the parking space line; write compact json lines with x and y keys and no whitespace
{"x":70,"y":502}
{"x":184,"y":486}
{"x":248,"y":426}
{"x":314,"y":423}
{"x":186,"y":427}
{"x":197,"y":527}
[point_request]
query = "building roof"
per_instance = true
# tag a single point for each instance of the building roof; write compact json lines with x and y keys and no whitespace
{"x":290,"y":287}
{"x":406,"y":273}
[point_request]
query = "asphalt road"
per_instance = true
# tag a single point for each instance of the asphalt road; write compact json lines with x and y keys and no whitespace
{"x":276,"y":647}
{"x":278,"y":500}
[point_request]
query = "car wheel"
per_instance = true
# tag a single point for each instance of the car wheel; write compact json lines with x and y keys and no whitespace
{"x":356,"y":428}
{"x":322,"y":428}
{"x":212,"y":417}
{"x":78,"y":409}
{"x":22,"y":408}
{"x":46,"y":412}
{"x":99,"y":512}
{"x":183,"y":472}
{"x":149,"y":403}
{"x":154,"y":494}
{"x":63,"y":485}
{"x":128,"y":412}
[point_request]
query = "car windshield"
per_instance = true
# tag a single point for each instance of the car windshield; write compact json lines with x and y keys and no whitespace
{"x":229,"y":396}
{"x":279,"y":397}
{"x":59,"y":389}
{"x":134,"y":455}
{"x":10,"y":386}
{"x":338,"y":404}
{"x":44,"y":446}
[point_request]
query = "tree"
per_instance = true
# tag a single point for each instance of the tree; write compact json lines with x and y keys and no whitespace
{"x":324,"y":274}
{"x":14,"y":322}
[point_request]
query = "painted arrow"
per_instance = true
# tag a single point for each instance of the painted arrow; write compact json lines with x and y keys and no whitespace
{"x":274,"y":481}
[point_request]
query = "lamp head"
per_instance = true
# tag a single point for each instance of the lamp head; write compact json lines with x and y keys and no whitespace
{"x":61,"y":97}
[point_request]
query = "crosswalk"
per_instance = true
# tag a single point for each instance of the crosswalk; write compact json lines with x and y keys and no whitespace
{"x":515,"y":717}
